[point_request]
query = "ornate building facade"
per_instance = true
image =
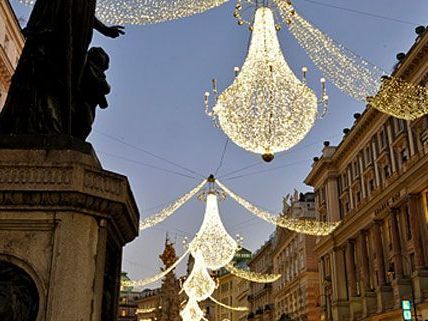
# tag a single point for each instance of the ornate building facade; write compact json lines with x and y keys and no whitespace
{"x":148,"y":305}
{"x":296,"y":294}
{"x":128,"y":301}
{"x":260,"y":296}
{"x":11,"y":44}
{"x":232,"y":291}
{"x":376,"y":181}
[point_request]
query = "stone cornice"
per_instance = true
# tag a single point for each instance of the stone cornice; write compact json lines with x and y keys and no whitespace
{"x":67,"y":181}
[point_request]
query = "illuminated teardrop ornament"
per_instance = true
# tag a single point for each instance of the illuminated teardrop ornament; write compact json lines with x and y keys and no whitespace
{"x":213,"y":242}
{"x":192,"y":311}
{"x":267,"y":109}
{"x":199,"y":285}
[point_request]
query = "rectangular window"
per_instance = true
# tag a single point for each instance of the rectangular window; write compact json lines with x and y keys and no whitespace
{"x":408,"y":226}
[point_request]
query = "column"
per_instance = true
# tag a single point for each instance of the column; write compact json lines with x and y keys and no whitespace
{"x":364,"y":262}
{"x":411,"y":140}
{"x":396,"y":247}
{"x":377,"y":176}
{"x":413,"y":203}
{"x":363,"y":181}
{"x":379,"y":252}
{"x":391,"y":149}
{"x":350,"y":269}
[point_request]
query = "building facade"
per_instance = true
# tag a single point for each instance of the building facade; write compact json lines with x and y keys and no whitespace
{"x":376,"y":182}
{"x":11,"y":44}
{"x":127,"y":302}
{"x":296,"y":295}
{"x":148,"y":305}
{"x":260,"y":297}
{"x":232,"y":290}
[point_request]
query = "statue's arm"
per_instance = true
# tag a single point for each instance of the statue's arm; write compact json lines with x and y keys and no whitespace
{"x":112,"y":32}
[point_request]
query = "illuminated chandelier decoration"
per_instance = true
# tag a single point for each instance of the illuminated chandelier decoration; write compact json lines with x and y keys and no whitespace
{"x":353,"y":74}
{"x":267,"y":109}
{"x":349,"y":72}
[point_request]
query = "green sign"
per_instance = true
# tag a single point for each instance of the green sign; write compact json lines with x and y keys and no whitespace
{"x":406,"y":306}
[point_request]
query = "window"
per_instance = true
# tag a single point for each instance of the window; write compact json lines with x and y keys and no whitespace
{"x":404,"y":155}
{"x":368,"y":156}
{"x":401,"y":125}
{"x":382,"y":137}
{"x":371,"y":185}
{"x":408,"y":226}
{"x":386,"y":172}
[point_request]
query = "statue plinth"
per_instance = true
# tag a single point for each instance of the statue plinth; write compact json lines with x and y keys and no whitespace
{"x":63,"y":222}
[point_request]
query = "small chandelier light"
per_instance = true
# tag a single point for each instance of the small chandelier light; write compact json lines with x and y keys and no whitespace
{"x":267,"y":109}
{"x":212,"y":241}
{"x":199,"y":285}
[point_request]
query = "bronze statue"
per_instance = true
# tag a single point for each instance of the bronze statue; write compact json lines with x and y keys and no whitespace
{"x":45,"y":93}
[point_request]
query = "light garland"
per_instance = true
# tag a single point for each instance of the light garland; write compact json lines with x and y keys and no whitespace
{"x":304,"y":226}
{"x":266,"y":109}
{"x":145,"y":12}
{"x":228,"y":307}
{"x":145,"y":311}
{"x":252,"y":276}
{"x":199,"y":285}
{"x":170,"y":209}
{"x":400,"y":99}
{"x":192,"y":311}
{"x":348,"y":71}
{"x":156,"y":277}
{"x":212,"y":241}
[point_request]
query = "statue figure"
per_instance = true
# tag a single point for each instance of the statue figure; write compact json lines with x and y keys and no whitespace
{"x":44,"y":94}
{"x":94,"y":88}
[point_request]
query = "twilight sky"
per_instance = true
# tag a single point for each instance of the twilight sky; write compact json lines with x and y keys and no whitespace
{"x":159,"y":74}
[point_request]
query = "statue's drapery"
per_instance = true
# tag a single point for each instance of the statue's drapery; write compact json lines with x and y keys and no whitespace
{"x":58,"y":36}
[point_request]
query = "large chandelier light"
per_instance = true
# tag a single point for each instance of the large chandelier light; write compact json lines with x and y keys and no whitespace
{"x":267,"y":109}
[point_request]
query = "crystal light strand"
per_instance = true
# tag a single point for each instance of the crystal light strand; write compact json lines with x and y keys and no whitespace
{"x":304,"y":226}
{"x":252,"y":276}
{"x":157,"y":277}
{"x":145,"y":12}
{"x":228,"y":307}
{"x":348,"y":71}
{"x":170,"y":209}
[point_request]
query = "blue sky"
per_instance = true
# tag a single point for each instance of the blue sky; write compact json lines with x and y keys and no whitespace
{"x":159,"y":74}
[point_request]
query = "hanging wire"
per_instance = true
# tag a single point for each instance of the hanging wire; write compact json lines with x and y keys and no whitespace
{"x":147,"y":165}
{"x":223,"y":154}
{"x":120,"y":141}
{"x":364,"y":13}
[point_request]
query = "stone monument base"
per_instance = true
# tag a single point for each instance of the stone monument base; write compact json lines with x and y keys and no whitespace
{"x":63,"y":223}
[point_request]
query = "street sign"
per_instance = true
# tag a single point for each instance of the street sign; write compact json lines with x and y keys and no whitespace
{"x":406,"y":307}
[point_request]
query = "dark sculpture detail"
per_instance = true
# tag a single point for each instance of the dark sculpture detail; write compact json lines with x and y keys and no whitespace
{"x":19,"y":297}
{"x":55,"y":72}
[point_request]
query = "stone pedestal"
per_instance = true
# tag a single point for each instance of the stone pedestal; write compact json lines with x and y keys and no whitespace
{"x":402,"y":289}
{"x":63,"y":223}
{"x":420,"y":285}
{"x":356,"y":308}
{"x":384,"y":296}
{"x":369,"y":303}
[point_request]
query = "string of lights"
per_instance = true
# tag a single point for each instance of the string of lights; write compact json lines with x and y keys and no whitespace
{"x":143,"y":12}
{"x":157,"y":277}
{"x":348,"y":71}
{"x":252,"y":276}
{"x":304,"y":226}
{"x":228,"y":307}
{"x":171,"y":209}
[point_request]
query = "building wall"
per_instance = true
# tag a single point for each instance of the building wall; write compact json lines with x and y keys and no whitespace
{"x":296,"y":294}
{"x":260,"y":296}
{"x":376,"y":181}
{"x":147,"y":305}
{"x":11,"y":44}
